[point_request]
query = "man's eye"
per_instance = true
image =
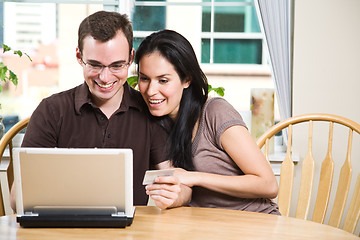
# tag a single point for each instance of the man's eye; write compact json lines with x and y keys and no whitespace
{"x":95,"y":66}
{"x":117,"y":66}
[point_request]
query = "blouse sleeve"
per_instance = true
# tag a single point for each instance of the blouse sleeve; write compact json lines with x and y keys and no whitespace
{"x":219,"y":115}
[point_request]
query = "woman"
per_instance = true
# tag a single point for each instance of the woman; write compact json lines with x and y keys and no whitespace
{"x":209,"y":143}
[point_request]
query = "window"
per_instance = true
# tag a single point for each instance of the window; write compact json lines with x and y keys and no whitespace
{"x":227,"y":30}
{"x":230,"y":33}
{"x":224,"y":33}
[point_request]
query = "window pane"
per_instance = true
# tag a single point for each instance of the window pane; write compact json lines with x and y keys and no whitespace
{"x":247,"y":51}
{"x":205,"y":51}
{"x":136,"y":42}
{"x":231,"y":19}
{"x":149,"y":18}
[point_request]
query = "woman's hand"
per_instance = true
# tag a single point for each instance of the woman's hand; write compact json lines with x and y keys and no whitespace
{"x":187,"y":178}
{"x":168,"y":191}
{"x":164,"y":191}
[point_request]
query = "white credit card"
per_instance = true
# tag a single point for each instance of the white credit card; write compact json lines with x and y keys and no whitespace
{"x":150,"y":175}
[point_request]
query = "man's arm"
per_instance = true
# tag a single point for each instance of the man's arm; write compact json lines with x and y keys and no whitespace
{"x":41,"y":129}
{"x":167,"y":191}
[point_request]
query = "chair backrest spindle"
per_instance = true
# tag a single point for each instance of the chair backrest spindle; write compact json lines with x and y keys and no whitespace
{"x":326,"y":176}
{"x":286,"y":179}
{"x":343,"y":186}
{"x":307,"y":179}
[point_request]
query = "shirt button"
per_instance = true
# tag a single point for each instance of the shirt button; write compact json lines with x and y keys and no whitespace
{"x":109,"y":135}
{"x":102,"y":118}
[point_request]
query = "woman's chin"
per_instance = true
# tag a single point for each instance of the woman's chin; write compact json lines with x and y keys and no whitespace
{"x":157,"y":113}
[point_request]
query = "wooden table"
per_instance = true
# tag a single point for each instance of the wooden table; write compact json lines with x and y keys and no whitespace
{"x":186,"y":223}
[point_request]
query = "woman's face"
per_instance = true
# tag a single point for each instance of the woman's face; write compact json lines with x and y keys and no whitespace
{"x":160,"y":85}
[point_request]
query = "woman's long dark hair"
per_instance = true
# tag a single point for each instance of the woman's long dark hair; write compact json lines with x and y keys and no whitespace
{"x":179,"y":52}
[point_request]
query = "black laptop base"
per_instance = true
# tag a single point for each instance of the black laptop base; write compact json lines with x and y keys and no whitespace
{"x":74,"y":221}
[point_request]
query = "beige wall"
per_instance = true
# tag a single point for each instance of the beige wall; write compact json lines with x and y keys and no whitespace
{"x":326,"y":75}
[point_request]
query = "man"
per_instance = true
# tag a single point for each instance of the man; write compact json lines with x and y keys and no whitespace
{"x":104,"y":111}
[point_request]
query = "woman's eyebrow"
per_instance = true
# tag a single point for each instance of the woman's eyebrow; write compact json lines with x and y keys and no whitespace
{"x":159,"y":76}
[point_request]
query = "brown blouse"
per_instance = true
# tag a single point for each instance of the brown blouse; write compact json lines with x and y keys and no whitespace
{"x":209,"y":156}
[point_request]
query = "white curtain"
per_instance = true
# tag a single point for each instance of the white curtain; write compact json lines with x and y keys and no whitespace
{"x":275,"y":19}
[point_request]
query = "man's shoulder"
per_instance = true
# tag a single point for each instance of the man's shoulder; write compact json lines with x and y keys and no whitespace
{"x":66,"y":97}
{"x":62,"y":95}
{"x":60,"y":102}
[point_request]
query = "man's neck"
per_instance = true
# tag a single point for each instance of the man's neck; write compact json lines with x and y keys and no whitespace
{"x":108,"y":107}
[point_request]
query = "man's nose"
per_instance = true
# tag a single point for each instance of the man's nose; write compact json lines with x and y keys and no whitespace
{"x":105,"y":74}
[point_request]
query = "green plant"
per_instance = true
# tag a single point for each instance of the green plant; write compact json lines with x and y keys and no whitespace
{"x":219,"y":90}
{"x":132,"y":81}
{"x":5,"y":73}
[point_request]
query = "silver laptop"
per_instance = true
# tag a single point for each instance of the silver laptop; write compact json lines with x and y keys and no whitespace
{"x":87,"y":187}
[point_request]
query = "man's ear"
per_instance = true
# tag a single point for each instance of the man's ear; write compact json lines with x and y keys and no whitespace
{"x":132,"y":55}
{"x":78,"y":55}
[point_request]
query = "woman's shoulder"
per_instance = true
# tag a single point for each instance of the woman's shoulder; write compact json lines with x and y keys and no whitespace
{"x":217,"y":105}
{"x":218,"y":111}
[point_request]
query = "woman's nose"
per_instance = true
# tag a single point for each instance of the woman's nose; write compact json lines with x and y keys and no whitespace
{"x":152,"y":88}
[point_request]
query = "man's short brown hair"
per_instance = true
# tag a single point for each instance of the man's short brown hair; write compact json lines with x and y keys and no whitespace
{"x":103,"y":26}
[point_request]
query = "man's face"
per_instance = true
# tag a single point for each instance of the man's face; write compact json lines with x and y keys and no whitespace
{"x":105,"y":83}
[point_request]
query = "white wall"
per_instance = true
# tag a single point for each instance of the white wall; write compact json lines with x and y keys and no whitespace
{"x":326,"y":76}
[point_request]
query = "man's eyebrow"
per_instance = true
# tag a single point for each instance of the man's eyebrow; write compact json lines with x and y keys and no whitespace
{"x":113,"y":63}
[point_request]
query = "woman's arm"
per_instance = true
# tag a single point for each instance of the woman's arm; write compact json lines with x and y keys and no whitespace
{"x":259,"y":179}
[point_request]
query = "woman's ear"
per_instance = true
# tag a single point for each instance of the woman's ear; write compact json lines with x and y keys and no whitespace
{"x":187,"y":83}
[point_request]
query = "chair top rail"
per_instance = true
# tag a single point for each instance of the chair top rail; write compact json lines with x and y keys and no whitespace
{"x":12,"y":132}
{"x":307,"y":117}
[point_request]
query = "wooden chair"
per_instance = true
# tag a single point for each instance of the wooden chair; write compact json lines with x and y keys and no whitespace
{"x":6,"y":166}
{"x":308,"y":168}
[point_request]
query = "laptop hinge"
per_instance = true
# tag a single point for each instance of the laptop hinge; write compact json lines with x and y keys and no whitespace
{"x":31,"y":214}
{"x":118,"y":214}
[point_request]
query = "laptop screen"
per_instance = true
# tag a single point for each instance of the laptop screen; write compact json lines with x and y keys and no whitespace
{"x":56,"y":180}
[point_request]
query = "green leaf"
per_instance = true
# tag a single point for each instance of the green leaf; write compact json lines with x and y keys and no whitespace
{"x":219,"y":90}
{"x":132,"y":81}
{"x":13,"y":78}
{"x":18,"y":52}
{"x":3,"y":70}
{"x":6,"y":48}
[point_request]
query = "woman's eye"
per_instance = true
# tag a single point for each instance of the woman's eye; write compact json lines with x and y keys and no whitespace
{"x":143,"y":79}
{"x":163,"y":80}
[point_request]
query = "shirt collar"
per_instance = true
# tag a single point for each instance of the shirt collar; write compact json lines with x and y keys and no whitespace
{"x":131,"y":99}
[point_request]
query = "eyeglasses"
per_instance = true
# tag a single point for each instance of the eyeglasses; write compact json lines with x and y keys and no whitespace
{"x":97,"y":68}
